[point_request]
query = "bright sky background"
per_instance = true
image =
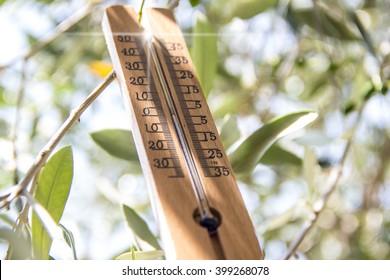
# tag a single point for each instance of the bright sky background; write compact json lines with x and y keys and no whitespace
{"x":271,"y":36}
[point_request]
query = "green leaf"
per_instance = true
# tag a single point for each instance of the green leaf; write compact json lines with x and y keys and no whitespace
{"x":246,"y":9}
{"x":297,"y":212}
{"x":225,"y":10}
{"x":276,"y":155}
{"x":2,"y":101}
{"x":228,"y":105}
{"x":52,"y":193}
{"x":204,"y":52}
{"x":248,"y":154}
{"x":194,"y":2}
{"x":3,"y":129}
{"x":118,"y":143}
{"x":19,"y":243}
{"x":5,"y":218}
{"x":142,"y":255}
{"x":229,"y":131}
{"x":69,"y":238}
{"x":139,"y":227}
{"x":46,"y":1}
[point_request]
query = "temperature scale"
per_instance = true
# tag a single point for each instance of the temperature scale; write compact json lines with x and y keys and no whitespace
{"x":199,"y":208}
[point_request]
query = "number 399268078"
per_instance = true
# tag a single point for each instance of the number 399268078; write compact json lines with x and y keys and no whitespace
{"x":235,"y":270}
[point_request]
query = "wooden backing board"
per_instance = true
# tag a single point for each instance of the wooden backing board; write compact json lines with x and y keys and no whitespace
{"x":164,"y":166}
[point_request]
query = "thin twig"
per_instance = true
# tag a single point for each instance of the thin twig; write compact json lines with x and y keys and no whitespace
{"x":141,"y":11}
{"x":333,"y":181}
{"x":15,"y":126}
{"x":366,"y":38}
{"x":22,"y":218}
{"x":40,"y":160}
{"x":53,"y":34}
{"x":173,"y":4}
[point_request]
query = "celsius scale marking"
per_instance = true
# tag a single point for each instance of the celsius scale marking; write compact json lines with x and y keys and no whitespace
{"x":194,"y":193}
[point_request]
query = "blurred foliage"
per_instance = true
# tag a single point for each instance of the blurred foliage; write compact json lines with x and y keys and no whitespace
{"x":142,"y":255}
{"x":267,"y":59}
{"x":205,"y":63}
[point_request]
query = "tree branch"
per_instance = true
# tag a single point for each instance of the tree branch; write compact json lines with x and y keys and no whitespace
{"x":173,"y":4}
{"x":141,"y":11}
{"x":43,"y":155}
{"x":15,"y":126}
{"x":333,"y":181}
{"x":366,"y":38}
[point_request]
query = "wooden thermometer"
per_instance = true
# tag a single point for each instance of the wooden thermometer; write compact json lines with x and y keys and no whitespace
{"x":199,"y":208}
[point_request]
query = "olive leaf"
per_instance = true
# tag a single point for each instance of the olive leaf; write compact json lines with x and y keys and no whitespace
{"x":276,"y":155}
{"x":205,"y":62}
{"x":142,"y":255}
{"x":139,"y":227}
{"x":52,"y":193}
{"x":118,"y":143}
{"x":248,"y":154}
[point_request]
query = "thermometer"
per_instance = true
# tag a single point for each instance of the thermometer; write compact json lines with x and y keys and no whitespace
{"x":195,"y":196}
